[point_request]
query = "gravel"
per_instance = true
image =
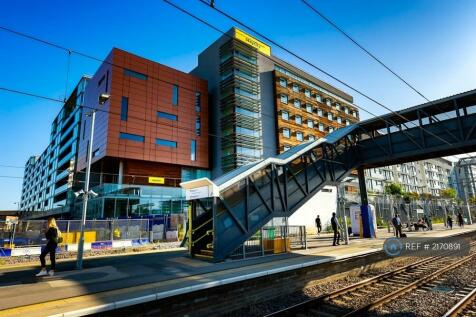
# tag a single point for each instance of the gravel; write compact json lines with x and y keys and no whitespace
{"x":282,"y":302}
{"x":438,"y":300}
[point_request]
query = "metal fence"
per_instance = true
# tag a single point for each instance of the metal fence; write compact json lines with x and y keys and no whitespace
{"x":32,"y":232}
{"x":272,"y":240}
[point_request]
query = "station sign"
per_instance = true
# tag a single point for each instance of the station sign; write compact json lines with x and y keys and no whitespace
{"x":198,"y":192}
{"x":248,"y":39}
{"x":11,"y":220}
{"x":156,"y":180}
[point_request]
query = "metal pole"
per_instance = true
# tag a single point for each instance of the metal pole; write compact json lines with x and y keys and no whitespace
{"x":79,"y":260}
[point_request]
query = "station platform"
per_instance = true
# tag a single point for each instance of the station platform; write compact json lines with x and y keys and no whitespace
{"x":111,"y":283}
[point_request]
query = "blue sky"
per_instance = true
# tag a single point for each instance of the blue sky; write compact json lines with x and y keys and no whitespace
{"x":431,"y":43}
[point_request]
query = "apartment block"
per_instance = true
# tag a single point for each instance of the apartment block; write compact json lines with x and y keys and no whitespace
{"x":428,"y":176}
{"x":50,"y":178}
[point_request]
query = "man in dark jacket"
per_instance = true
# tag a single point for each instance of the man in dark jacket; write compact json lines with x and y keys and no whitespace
{"x":318,"y":224}
{"x":335,"y":227}
{"x":397,"y":224}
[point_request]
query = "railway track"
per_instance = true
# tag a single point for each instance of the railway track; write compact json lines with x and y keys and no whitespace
{"x":466,"y":306}
{"x":360,"y":298}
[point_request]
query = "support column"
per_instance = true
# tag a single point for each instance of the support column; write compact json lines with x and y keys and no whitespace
{"x":121,"y":172}
{"x":368,"y":229}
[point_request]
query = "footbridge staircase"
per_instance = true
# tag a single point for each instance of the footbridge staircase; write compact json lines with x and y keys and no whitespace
{"x":228,"y":210}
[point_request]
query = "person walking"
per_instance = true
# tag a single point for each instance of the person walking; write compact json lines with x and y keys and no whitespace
{"x":52,"y":236}
{"x":336,"y":228}
{"x":449,"y":221}
{"x":460,"y":220}
{"x":318,"y":224}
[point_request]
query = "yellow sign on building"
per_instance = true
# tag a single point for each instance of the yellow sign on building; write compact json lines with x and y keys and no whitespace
{"x":156,"y":180}
{"x":248,"y":39}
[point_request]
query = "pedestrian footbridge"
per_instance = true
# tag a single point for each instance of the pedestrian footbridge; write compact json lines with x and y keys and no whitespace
{"x":228,"y":210}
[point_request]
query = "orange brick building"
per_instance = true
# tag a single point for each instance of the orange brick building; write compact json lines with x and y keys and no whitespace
{"x":152,"y":131}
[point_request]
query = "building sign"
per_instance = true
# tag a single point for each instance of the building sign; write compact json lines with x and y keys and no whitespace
{"x":156,"y":180}
{"x":197,"y":193}
{"x":248,"y":39}
{"x":11,"y":220}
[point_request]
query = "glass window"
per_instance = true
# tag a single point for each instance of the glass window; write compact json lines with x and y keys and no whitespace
{"x":286,"y":148}
{"x":328,"y":102}
{"x":309,"y":108}
{"x":284,"y":99}
{"x":134,"y":74}
{"x":175,"y":95}
{"x":298,"y":119}
{"x":319,"y":112}
{"x":346,"y":110}
{"x":164,"y":142}
{"x":165,"y":115}
{"x":354,"y":113}
{"x":331,"y":129}
{"x":347,"y":122}
{"x":198,"y":102}
{"x":285,"y":115}
{"x":283,"y":82}
{"x":198,"y":126}
{"x":297,"y":103}
{"x":286,"y":133}
{"x":131,"y":137}
{"x":307,"y":93}
{"x":124,"y":108}
{"x":339,"y":120}
{"x":329,"y":116}
{"x":310,"y":137}
{"x":310,"y":124}
{"x":295,"y":87}
{"x":337,"y":106}
{"x":321,"y":127}
{"x":299,"y":136}
{"x":319,"y":98}
{"x":193,"y":150}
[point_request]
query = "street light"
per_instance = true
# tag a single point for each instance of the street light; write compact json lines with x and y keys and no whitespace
{"x":86,"y":192}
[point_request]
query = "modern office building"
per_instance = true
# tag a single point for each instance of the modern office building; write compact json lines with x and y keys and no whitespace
{"x":150,"y":133}
{"x":50,"y":178}
{"x":428,"y":176}
{"x":263,"y":105}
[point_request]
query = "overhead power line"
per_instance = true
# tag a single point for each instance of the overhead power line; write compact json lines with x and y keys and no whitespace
{"x":353,"y":40}
{"x":329,"y":21}
{"x":308,"y":63}
{"x":69,"y":51}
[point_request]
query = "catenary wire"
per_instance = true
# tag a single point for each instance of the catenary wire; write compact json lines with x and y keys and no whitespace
{"x":378,"y":60}
{"x":215,"y":28}
{"x":224,"y":33}
{"x":306,"y":62}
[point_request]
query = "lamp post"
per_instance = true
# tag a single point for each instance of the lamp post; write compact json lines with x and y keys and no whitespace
{"x":86,"y":192}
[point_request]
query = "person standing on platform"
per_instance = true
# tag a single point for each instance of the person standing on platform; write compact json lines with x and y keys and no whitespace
{"x":449,"y":221}
{"x":318,"y":225}
{"x":336,"y":228}
{"x":52,"y":236}
{"x":397,"y":224}
{"x":460,"y":220}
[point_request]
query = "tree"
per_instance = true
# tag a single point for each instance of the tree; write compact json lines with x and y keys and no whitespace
{"x":472,"y":200}
{"x":393,"y":189}
{"x":449,"y":193}
{"x":426,"y":196}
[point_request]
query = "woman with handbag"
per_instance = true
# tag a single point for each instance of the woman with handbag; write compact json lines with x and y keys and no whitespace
{"x":53,"y":237}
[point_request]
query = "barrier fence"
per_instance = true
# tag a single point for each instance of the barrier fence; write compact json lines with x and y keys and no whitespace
{"x":28,"y":236}
{"x":272,"y":240}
